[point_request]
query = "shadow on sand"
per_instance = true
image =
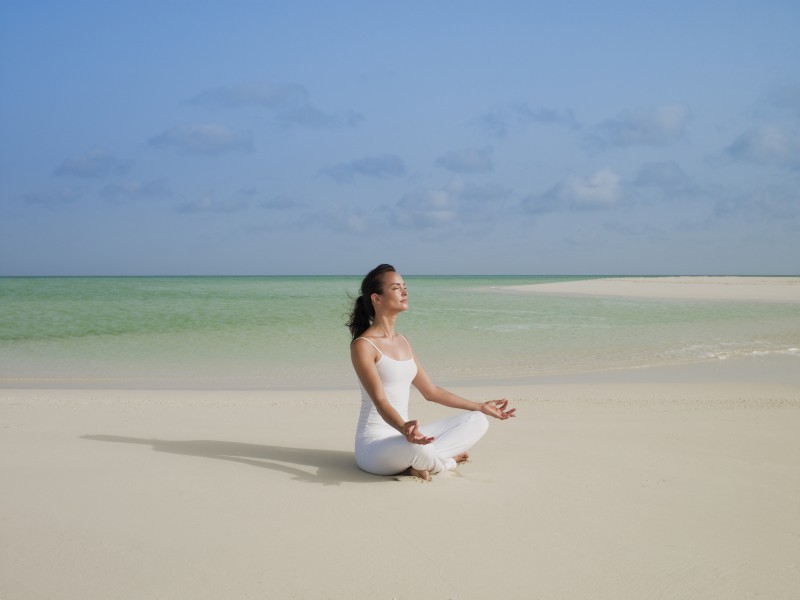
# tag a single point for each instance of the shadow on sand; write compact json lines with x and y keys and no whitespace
{"x":333,"y":467}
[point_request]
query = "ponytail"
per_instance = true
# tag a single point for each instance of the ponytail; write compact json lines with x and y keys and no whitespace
{"x":361,"y":317}
{"x":363,"y":312}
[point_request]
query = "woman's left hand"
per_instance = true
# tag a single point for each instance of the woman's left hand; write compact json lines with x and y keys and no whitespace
{"x":498,"y":409}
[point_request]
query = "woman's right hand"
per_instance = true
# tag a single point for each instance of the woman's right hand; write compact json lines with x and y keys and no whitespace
{"x":414,"y":435}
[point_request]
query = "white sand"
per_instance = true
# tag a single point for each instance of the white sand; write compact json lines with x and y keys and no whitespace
{"x":767,"y":289}
{"x":679,"y":482}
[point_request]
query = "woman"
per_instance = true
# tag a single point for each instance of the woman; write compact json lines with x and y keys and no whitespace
{"x":387,"y":442}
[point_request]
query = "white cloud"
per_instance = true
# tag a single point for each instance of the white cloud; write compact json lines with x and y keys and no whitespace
{"x":786,"y":97}
{"x":500,"y":121}
{"x":427,"y":208}
{"x":203,"y":139}
{"x":290,"y":103}
{"x":601,"y":189}
{"x":658,"y":127}
{"x":308,"y":116}
{"x":666,"y":177}
{"x":248,"y":198}
{"x":496,"y":123}
{"x":768,"y":145}
{"x":130,"y":190}
{"x":662,"y":174}
{"x":97,"y":162}
{"x":778,"y":201}
{"x":470,"y":160}
{"x":474,"y":197}
{"x":380,"y":167}
{"x":340,"y":218}
{"x":455,"y":203}
{"x":525,"y":112}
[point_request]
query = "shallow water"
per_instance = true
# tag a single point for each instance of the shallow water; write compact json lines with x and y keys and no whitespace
{"x":274,"y":332}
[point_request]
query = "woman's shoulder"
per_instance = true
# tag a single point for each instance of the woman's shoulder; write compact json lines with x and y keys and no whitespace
{"x":364,"y":341}
{"x":365,"y":335}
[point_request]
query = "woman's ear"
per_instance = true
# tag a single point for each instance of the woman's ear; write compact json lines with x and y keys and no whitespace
{"x":375,"y":299}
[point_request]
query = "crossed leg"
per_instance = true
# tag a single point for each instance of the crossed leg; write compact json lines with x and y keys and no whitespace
{"x":453,"y":437}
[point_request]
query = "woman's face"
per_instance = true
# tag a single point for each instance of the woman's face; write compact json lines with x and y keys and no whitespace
{"x":395,"y":294}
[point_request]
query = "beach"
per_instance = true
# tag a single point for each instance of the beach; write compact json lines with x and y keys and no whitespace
{"x":673,"y":480}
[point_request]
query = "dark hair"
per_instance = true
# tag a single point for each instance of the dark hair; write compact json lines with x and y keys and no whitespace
{"x":363,"y":312}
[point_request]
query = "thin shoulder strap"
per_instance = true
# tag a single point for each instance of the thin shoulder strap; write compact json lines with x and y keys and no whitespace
{"x":407,"y":343}
{"x":370,"y":343}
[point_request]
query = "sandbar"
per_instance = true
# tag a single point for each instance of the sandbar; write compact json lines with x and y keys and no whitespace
{"x":758,"y":289}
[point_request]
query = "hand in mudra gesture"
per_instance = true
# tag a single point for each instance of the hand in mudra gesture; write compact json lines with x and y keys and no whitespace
{"x":498,"y":409}
{"x":414,"y":435}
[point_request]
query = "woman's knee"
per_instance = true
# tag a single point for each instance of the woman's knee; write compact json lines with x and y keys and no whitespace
{"x":424,"y":457}
{"x":479,"y":421}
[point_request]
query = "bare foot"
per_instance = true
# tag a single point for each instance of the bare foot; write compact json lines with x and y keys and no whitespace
{"x":424,"y":475}
{"x":461,"y":458}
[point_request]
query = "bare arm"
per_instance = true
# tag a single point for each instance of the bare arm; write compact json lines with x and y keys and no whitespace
{"x":434,"y":393}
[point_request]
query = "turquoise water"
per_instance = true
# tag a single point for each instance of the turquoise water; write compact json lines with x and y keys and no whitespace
{"x":275,"y":332}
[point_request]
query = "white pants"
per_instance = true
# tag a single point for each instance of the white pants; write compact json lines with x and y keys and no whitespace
{"x":394,"y":454}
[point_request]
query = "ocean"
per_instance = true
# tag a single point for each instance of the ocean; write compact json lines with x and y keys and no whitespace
{"x":289,"y":332}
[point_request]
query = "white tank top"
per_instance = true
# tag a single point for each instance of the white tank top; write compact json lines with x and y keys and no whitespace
{"x":396,"y":376}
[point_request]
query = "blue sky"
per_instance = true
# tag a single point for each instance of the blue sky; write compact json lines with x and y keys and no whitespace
{"x":442,"y":136}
